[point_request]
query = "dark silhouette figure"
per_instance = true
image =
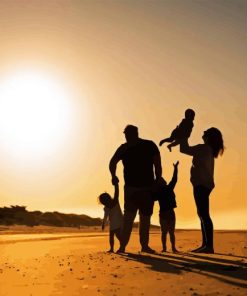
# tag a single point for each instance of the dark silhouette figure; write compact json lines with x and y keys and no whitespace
{"x":183,"y":130}
{"x":165,"y":195}
{"x":142,"y":165}
{"x":113,"y":213}
{"x":202,"y":179}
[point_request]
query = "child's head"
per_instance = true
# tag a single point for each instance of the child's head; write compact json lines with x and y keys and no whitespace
{"x":190,"y":114}
{"x":105,"y":198}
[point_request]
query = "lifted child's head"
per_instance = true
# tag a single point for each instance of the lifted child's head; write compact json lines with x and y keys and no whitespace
{"x":105,"y":199}
{"x":190,"y":114}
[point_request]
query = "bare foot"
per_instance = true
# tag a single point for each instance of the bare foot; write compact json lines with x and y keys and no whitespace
{"x":206,"y":250}
{"x":148,"y":250}
{"x":121,"y":250}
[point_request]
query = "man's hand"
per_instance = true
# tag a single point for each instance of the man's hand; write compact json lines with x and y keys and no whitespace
{"x":159,"y":180}
{"x":115,"y":180}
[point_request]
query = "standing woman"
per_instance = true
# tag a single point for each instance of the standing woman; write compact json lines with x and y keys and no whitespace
{"x":202,"y":179}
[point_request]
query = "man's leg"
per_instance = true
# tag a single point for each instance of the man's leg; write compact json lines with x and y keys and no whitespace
{"x":144,"y":230}
{"x":129,"y":218}
{"x":130,"y":210}
{"x":145,"y":210}
{"x":118,"y":233}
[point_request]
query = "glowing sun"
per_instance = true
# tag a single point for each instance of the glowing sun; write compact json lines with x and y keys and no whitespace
{"x":35,"y":114}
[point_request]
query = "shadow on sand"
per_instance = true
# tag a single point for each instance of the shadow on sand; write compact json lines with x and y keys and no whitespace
{"x":233,"y":272}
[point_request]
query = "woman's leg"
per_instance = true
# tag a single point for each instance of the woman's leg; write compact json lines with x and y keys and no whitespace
{"x":201,"y":195}
{"x":199,"y":206}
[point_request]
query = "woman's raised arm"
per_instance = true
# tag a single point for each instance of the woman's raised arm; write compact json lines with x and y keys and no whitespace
{"x":186,"y":149}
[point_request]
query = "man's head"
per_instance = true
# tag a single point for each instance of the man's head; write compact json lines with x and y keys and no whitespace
{"x":131,"y":133}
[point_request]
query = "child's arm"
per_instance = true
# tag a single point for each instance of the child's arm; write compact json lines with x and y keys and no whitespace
{"x":105,"y":219}
{"x":116,"y":194}
{"x":174,"y":179}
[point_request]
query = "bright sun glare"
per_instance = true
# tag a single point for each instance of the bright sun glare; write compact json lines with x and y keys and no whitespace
{"x":35,"y":115}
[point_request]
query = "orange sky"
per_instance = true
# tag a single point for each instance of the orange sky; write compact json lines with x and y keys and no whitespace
{"x":139,"y":62}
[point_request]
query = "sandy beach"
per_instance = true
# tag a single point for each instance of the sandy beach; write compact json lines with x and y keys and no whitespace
{"x":78,"y":264}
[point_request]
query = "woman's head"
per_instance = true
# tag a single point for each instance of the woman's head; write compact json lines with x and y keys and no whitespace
{"x":105,"y":198}
{"x":214,"y":139}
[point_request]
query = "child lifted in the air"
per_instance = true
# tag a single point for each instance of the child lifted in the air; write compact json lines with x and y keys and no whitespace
{"x":183,"y":130}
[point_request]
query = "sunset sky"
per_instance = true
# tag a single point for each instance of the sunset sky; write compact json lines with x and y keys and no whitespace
{"x":73,"y":74}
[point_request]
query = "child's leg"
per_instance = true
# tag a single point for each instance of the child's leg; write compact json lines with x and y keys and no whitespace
{"x":172,"y":224}
{"x":164,"y":230}
{"x":174,"y":143}
{"x":111,"y":240}
{"x":170,"y":139}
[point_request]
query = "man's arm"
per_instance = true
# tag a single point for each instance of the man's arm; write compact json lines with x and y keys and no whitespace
{"x":116,"y":194}
{"x":113,"y":168}
{"x":157,"y":166}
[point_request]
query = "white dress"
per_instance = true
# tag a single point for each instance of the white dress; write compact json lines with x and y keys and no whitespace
{"x":115,"y":217}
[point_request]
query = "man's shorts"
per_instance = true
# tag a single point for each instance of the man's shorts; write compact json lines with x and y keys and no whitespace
{"x":136,"y":198}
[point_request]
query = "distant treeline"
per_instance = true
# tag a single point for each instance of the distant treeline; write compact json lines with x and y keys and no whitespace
{"x":18,"y":215}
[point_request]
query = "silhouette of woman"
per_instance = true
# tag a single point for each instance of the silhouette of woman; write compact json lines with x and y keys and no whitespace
{"x":202,"y":179}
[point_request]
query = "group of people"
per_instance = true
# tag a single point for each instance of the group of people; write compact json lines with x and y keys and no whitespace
{"x":144,"y":185}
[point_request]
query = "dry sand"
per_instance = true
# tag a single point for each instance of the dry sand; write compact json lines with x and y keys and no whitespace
{"x":77,"y":264}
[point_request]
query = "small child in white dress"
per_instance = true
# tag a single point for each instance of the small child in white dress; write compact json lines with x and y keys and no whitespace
{"x":114,"y":214}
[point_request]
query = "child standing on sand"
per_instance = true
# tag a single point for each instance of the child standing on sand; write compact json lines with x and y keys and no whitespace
{"x":183,"y":130}
{"x":167,"y":202}
{"x":113,"y":214}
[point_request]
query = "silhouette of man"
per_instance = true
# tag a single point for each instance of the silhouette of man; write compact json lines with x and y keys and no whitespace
{"x":142,"y":166}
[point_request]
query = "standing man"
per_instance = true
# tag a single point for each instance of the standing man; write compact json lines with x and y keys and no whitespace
{"x":142,"y":166}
